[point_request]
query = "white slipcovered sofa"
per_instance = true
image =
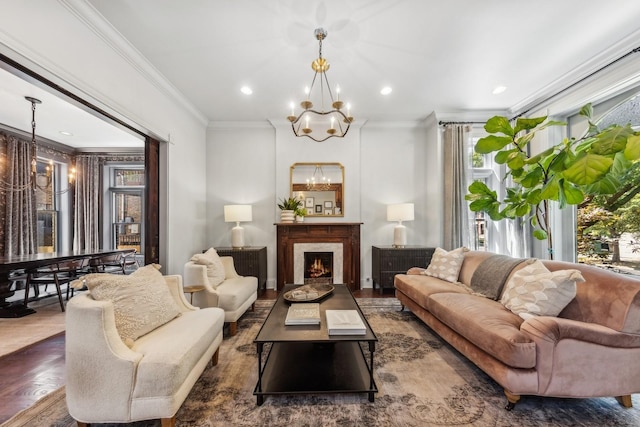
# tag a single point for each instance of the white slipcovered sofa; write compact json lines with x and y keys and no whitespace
{"x":114,"y":376}
{"x":223,"y":287}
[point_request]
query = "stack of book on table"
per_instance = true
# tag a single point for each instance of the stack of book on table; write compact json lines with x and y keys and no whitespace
{"x":303,"y":314}
{"x":345,"y":322}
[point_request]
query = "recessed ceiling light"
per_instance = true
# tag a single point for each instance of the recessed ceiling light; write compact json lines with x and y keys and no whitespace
{"x":65,"y":133}
{"x":246,"y":90}
{"x":499,"y":89}
{"x":386,"y":90}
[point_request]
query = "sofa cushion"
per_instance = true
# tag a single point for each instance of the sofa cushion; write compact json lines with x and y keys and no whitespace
{"x":215,"y":268}
{"x":446,"y":265}
{"x":534,"y":290}
{"x":419,"y":288}
{"x":141,"y":301}
{"x":171,"y":351}
{"x":234,"y":292}
{"x":487,"y":324}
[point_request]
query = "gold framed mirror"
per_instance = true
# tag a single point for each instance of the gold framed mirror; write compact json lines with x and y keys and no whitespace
{"x":320,"y":188}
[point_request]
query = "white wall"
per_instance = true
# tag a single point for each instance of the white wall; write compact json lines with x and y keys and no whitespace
{"x":62,"y":46}
{"x":384,"y":164}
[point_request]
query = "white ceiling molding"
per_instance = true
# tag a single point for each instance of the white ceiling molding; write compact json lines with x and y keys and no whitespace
{"x":93,"y":20}
{"x":597,"y":64}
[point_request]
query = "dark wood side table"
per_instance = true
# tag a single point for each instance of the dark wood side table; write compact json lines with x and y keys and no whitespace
{"x":249,"y":261}
{"x":387,"y":261}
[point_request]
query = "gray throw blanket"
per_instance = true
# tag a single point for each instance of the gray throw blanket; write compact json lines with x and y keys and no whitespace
{"x":491,"y":275}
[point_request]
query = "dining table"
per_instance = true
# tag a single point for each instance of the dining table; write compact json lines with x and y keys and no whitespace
{"x":13,"y":263}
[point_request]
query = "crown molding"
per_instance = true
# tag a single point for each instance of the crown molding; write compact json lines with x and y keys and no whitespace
{"x":595,"y":64}
{"x":93,"y":20}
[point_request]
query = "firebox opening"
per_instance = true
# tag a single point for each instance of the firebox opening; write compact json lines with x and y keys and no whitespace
{"x":318,"y":267}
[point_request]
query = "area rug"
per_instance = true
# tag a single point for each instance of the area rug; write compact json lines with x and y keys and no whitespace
{"x":422,"y":381}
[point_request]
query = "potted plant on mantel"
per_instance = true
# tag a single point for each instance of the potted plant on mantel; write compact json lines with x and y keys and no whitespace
{"x":567,"y":173}
{"x":288,"y":208}
{"x":300,"y":213}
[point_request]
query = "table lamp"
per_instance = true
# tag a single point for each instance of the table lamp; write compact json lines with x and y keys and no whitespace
{"x":237,"y":214}
{"x":400,"y":212}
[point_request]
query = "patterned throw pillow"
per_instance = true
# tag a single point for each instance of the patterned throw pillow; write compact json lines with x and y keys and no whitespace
{"x":534,"y":290}
{"x":215,"y":269}
{"x":446,"y":265}
{"x":141,"y":301}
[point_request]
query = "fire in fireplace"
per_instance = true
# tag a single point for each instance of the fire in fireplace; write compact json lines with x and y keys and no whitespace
{"x":318,"y":267}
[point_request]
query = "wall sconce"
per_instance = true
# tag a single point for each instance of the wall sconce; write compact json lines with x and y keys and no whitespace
{"x":237,"y":214}
{"x":400,"y":212}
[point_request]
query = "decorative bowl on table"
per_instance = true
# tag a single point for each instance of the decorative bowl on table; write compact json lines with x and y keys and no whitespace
{"x":308,"y":293}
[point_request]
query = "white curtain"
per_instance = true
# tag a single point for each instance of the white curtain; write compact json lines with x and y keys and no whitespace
{"x":86,"y":213}
{"x":456,"y":169}
{"x":20,"y":205}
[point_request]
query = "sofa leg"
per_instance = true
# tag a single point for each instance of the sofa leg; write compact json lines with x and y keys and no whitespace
{"x":168,"y":422}
{"x":214,"y":358}
{"x":253,"y":307}
{"x":512,"y":399}
{"x":81,"y":424}
{"x":625,"y":400}
{"x":233,"y":328}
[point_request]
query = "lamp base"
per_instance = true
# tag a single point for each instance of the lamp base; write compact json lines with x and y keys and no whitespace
{"x":237,"y":237}
{"x":399,"y":236}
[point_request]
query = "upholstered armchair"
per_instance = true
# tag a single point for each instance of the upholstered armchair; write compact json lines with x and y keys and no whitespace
{"x":223,"y":286}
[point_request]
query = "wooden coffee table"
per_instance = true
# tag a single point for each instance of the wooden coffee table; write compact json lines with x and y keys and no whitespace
{"x":305,"y":359}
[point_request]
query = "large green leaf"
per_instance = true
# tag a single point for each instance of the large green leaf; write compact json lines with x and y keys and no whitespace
{"x":586,"y":111}
{"x":534,"y":196}
{"x":499,"y":124}
{"x":492,"y":143}
{"x":587,"y":168}
{"x":539,"y":156}
{"x":528,"y":124}
{"x":611,"y":140}
{"x":479,"y":187}
{"x":632,"y":150}
{"x":516,"y":160}
{"x":502,"y":157}
{"x":532,"y":178}
{"x":572,"y":194}
{"x":550,"y":190}
{"x":609,"y":184}
{"x":540,"y":234}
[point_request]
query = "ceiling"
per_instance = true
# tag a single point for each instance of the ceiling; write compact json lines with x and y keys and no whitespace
{"x":445,"y":56}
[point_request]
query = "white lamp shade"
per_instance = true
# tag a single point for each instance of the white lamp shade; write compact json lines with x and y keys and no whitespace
{"x":237,"y":213}
{"x":400,"y":212}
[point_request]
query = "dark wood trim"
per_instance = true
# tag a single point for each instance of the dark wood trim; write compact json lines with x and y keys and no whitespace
{"x":152,"y":194}
{"x":346,"y":233}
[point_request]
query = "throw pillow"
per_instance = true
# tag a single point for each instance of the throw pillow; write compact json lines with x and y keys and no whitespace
{"x":446,"y":265}
{"x":141,"y":301}
{"x":215,"y":269}
{"x":534,"y":290}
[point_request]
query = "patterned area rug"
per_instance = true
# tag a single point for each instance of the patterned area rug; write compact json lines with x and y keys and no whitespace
{"x":422,"y":381}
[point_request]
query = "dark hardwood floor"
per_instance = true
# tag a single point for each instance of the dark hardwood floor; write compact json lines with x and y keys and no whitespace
{"x":31,"y":373}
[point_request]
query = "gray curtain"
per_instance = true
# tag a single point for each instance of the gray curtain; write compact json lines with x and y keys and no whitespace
{"x":456,"y":164}
{"x":19,"y":198}
{"x":86,"y":213}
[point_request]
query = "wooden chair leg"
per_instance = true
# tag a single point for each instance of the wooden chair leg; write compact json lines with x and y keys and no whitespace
{"x":625,"y":400}
{"x":168,"y":422}
{"x":512,"y":399}
{"x":214,"y":358}
{"x":233,"y":328}
{"x":55,"y":278}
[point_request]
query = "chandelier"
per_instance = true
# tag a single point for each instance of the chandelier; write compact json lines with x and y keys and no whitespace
{"x":321,"y":184}
{"x":37,"y":180}
{"x":325,"y":123}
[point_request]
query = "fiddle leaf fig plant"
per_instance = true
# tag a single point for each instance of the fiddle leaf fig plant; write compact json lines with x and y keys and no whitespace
{"x":566,"y":173}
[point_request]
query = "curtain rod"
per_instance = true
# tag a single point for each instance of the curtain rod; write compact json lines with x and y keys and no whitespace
{"x":441,"y":123}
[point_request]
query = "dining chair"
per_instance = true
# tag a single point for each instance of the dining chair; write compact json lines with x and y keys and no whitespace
{"x":58,"y":273}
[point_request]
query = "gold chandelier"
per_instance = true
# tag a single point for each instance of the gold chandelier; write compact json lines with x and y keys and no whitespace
{"x":321,"y":184}
{"x":37,"y":180}
{"x":323,"y":124}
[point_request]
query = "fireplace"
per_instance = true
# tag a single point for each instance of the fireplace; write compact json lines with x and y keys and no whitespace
{"x":342,"y":240}
{"x":318,"y":268}
{"x":331,"y":256}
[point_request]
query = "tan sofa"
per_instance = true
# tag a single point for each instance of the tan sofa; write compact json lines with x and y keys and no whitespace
{"x":592,"y":349}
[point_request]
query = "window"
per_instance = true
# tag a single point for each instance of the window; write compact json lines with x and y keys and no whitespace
{"x":126,"y":196}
